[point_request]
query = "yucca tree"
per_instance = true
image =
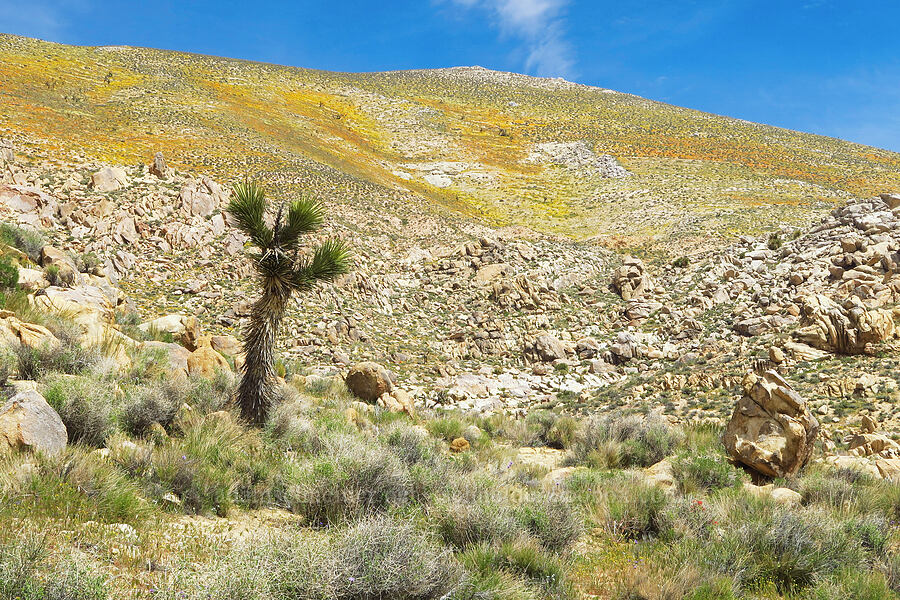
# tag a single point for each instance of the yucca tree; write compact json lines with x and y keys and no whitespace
{"x":282,"y":270}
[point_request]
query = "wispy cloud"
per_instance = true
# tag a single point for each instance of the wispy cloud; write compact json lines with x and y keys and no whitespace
{"x":539,"y":25}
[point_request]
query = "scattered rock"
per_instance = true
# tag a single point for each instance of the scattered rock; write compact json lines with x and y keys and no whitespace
{"x":158,"y":166}
{"x":631,"y":280}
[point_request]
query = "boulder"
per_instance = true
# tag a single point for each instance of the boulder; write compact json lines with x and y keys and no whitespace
{"x":772,"y":430}
{"x":397,"y":401}
{"x":28,"y":423}
{"x":158,"y":166}
{"x":630,"y":280}
{"x":30,"y":205}
{"x":206,"y":362}
{"x":184,"y":329}
{"x":459,"y":445}
{"x":109,"y":179}
{"x":545,"y":348}
{"x":89,"y":307}
{"x":661,"y":475}
{"x":201,"y":198}
{"x":175,"y":354}
{"x":369,"y":381}
{"x":848,"y":328}
{"x":30,"y":335}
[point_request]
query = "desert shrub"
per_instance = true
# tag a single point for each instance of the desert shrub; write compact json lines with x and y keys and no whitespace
{"x":858,"y":585}
{"x":25,"y":575}
{"x":215,"y":464}
{"x":788,"y":550}
{"x":637,"y":510}
{"x":8,"y":364}
{"x":349,"y":479}
{"x":411,"y":445}
{"x":88,"y":262}
{"x":86,"y":407}
{"x":552,"y":520}
{"x":51,"y":272}
{"x":146,"y":406}
{"x":66,"y":357}
{"x":89,"y":487}
{"x":522,"y":557}
{"x":9,"y":274}
{"x":28,"y":241}
{"x":562,"y":434}
{"x":446,"y":428}
{"x":704,"y":473}
{"x":681,"y":262}
{"x":289,"y":428}
{"x":638,"y":441}
{"x":375,"y":558}
{"x":485,"y":518}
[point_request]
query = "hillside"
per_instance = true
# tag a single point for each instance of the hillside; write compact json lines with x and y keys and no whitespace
{"x":465,"y":138}
{"x":589,"y":346}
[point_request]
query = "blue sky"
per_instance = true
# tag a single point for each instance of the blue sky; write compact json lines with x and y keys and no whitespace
{"x":825,"y":66}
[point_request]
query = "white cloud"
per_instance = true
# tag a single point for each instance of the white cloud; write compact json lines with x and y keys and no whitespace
{"x":539,"y":24}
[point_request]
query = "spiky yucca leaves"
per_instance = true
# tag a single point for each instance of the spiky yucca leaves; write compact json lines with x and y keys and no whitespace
{"x":282,"y":271}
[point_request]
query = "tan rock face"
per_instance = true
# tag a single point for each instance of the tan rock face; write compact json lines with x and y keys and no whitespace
{"x":772,"y":430}
{"x":28,"y":423}
{"x":631,"y":280}
{"x":369,"y":381}
{"x":206,"y":362}
{"x":848,"y":328}
{"x":109,"y":179}
{"x":184,"y":329}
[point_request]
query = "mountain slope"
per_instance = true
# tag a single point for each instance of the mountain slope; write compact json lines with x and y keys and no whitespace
{"x":507,"y":148}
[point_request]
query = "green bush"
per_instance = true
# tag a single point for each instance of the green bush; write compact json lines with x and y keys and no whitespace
{"x":348,"y":480}
{"x":25,"y":575}
{"x":704,"y":473}
{"x":522,"y":558}
{"x":86,"y":407}
{"x":465,"y":521}
{"x":637,"y":510}
{"x":9,"y":274}
{"x":27,"y":240}
{"x":633,"y":440}
{"x":552,"y":519}
{"x":446,"y":428}
{"x":66,"y":357}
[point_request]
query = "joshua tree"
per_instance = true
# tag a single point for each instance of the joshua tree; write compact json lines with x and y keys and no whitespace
{"x":282,"y":271}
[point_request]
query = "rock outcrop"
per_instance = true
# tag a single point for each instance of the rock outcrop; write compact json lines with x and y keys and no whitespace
{"x":630,"y":280}
{"x":847,"y":328}
{"x":772,"y":430}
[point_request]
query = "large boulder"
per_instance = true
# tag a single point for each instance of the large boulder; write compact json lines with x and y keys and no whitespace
{"x":109,"y":179}
{"x":848,"y":328}
{"x":545,"y":348}
{"x":13,"y":331}
{"x":631,"y":279}
{"x":772,"y":430}
{"x":369,"y":381}
{"x":28,"y":423}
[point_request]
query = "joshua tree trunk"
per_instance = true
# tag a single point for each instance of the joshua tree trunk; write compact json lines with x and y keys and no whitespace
{"x":257,"y":391}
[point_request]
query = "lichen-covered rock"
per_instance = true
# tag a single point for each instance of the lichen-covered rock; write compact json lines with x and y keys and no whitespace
{"x":772,"y":430}
{"x":848,"y":328}
{"x":369,"y":381}
{"x":28,"y":423}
